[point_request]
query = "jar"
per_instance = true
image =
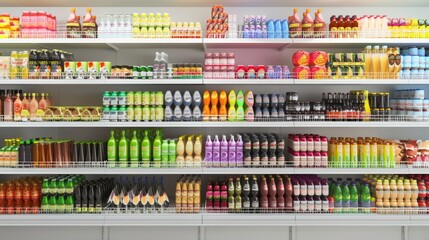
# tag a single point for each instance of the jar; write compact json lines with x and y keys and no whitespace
{"x":223,"y":59}
{"x":231,"y":59}
{"x":208,"y":59}
{"x":251,"y":72}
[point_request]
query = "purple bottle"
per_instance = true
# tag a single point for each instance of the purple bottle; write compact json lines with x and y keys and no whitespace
{"x":232,"y":155}
{"x":216,"y":152}
{"x":224,"y":152}
{"x":239,"y":153}
{"x":209,"y":152}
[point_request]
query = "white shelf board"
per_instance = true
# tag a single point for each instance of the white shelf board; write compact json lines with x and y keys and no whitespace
{"x":249,"y":81}
{"x":355,"y":171}
{"x":356,"y":42}
{"x":352,"y":220}
{"x":356,"y":81}
{"x":246,"y":170}
{"x":96,"y":171}
{"x":230,"y":219}
{"x":145,"y":124}
{"x":246,"y":43}
{"x":360,"y":124}
{"x":51,"y":220}
{"x":168,"y":219}
{"x":100,"y":81}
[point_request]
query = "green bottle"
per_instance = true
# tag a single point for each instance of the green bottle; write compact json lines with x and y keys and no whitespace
{"x":354,"y":198}
{"x":52,"y":204}
{"x":61,"y":207}
{"x":69,"y":204}
{"x":123,"y":151}
{"x":345,"y":198}
{"x":146,"y":149}
{"x":53,"y":187}
{"x":240,"y":104}
{"x":172,"y":151}
{"x":112,"y":150}
{"x":157,"y":149}
{"x":232,"y":100}
{"x":164,"y":152}
{"x":365,"y":198}
{"x":134,"y":150}
{"x":69,"y":187}
{"x":45,"y":187}
{"x":61,"y":188}
{"x":338,"y":198}
{"x":45,"y":204}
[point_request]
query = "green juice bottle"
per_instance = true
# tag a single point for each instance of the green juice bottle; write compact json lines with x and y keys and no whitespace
{"x":172,"y":151}
{"x":157,"y":149}
{"x":145,"y":149}
{"x":232,"y":99}
{"x":123,"y":151}
{"x":240,"y":104}
{"x":112,"y":150}
{"x":134,"y":150}
{"x":164,"y":152}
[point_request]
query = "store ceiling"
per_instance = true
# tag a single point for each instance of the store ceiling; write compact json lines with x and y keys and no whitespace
{"x":205,"y":3}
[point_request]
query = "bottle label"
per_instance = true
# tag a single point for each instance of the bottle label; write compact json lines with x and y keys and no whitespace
{"x":255,"y":204}
{"x":246,"y":204}
{"x":296,"y":190}
{"x":296,"y":205}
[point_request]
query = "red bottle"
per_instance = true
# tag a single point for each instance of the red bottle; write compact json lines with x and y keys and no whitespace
{"x":2,"y":198}
{"x":288,"y":188}
{"x":272,"y":200}
{"x":209,"y":197}
{"x":263,"y":202}
{"x":216,"y":196}
{"x":224,"y":197}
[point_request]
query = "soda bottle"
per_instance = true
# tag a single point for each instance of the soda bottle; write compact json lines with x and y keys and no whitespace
{"x":231,"y":191}
{"x":338,"y":198}
{"x":354,"y":198}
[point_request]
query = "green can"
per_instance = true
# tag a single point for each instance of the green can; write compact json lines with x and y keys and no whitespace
{"x":143,"y":72}
{"x":146,"y":98}
{"x":138,"y":98}
{"x":130,"y":98}
{"x":130,"y":113}
{"x":137,"y":113}
{"x":149,"y":72}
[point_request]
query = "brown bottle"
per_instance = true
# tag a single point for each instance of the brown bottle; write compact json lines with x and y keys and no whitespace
{"x":340,"y":27}
{"x":355,"y":27}
{"x":272,"y":200}
{"x":333,"y":27}
{"x":347,"y":27}
{"x":263,"y":202}
{"x":280,"y":193}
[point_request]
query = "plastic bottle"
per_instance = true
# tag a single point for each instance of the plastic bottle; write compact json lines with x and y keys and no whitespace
{"x":206,"y":108}
{"x":146,"y":149}
{"x":208,"y":152}
{"x":172,"y":151}
{"x":198,"y":150}
{"x":164,"y":152}
{"x":285,"y":29}
{"x":214,"y":112}
{"x":224,"y":152}
{"x":156,"y":65}
{"x":270,"y":29}
{"x":319,"y":25}
{"x":216,"y":152}
{"x":307,"y":25}
{"x":222,"y":109}
{"x":338,"y":198}
{"x":156,"y":153}
{"x":123,"y":150}
{"x":112,"y":150}
{"x":277,"y":29}
{"x":295,"y":25}
{"x":135,"y":150}
{"x":189,"y":150}
{"x":232,"y":152}
{"x":232,"y":99}
{"x":239,"y":151}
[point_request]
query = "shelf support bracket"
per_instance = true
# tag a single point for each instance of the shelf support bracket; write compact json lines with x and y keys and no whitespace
{"x":292,"y":233}
{"x":285,"y":46}
{"x":115,"y":48}
{"x":404,"y":233}
{"x":105,"y":233}
{"x":201,"y":233}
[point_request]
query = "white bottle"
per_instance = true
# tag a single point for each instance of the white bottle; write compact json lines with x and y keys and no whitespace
{"x":114,"y":26}
{"x":364,"y":28}
{"x":371,"y":26}
{"x":101,"y":27}
{"x":378,"y":27}
{"x":162,"y":71}
{"x":128,"y":27}
{"x":156,"y":65}
{"x":121,"y":26}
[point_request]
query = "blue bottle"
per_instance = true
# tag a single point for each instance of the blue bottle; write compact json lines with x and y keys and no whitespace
{"x":246,"y":31}
{"x":285,"y":29}
{"x":270,"y":28}
{"x":278,"y":29}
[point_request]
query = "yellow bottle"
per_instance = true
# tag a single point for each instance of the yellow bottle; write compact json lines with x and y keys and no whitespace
{"x":374,"y":155}
{"x":407,"y":190}
{"x":190,"y":197}
{"x":384,"y":63}
{"x":414,"y":190}
{"x":379,"y":192}
{"x":189,"y":149}
{"x":232,"y":99}
{"x":400,"y":189}
{"x":197,"y":151}
{"x":368,"y":62}
{"x":354,"y":161}
{"x":184,"y":205}
{"x":178,"y":196}
{"x":197,"y":196}
{"x":180,"y":150}
{"x":393,"y":190}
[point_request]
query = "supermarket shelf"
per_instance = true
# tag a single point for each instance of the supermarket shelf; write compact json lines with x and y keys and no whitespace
{"x":250,"y":81}
{"x":103,"y":43}
{"x":246,"y":43}
{"x":228,"y":219}
{"x":100,"y":170}
{"x":360,"y":170}
{"x":360,"y":124}
{"x":420,"y":220}
{"x":167,"y":219}
{"x":52,"y":220}
{"x":358,"y":81}
{"x":356,"y":42}
{"x":145,"y":124}
{"x":352,"y":220}
{"x":99,"y":81}
{"x":280,"y":170}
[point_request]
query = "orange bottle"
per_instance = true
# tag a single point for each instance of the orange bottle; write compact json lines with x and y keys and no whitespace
{"x":295,"y":29}
{"x":319,"y":25}
{"x":333,"y":27}
{"x":214,"y":112}
{"x":25,"y":103}
{"x":206,"y":108}
{"x":307,"y":25}
{"x":222,"y":108}
{"x":347,"y":27}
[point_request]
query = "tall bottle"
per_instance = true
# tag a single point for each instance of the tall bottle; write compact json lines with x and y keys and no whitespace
{"x":384,"y":63}
{"x":135,"y":151}
{"x":232,"y":99}
{"x":263,"y":193}
{"x":307,"y":25}
{"x":180,"y":151}
{"x":34,"y":106}
{"x":232,"y":152}
{"x":319,"y":25}
{"x":208,"y":152}
{"x":42,"y":103}
{"x":156,"y":65}
{"x":231,"y":195}
{"x":240,"y":106}
{"x":157,"y":149}
{"x":17,"y":108}
{"x":214,"y":111}
{"x":239,"y":151}
{"x":112,"y":150}
{"x":280,"y":193}
{"x":222,"y":108}
{"x":146,"y":149}
{"x":189,"y":150}
{"x":206,"y":107}
{"x":198,"y":150}
{"x":163,"y":62}
{"x":224,"y":152}
{"x":8,"y":106}
{"x":376,"y":64}
{"x":216,"y":152}
{"x":295,"y":25}
{"x":254,"y":200}
{"x":123,"y":150}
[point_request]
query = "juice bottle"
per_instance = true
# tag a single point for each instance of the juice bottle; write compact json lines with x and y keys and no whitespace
{"x":240,"y":104}
{"x":89,"y":27}
{"x":214,"y":110}
{"x":407,"y":190}
{"x":206,"y":108}
{"x":386,"y":190}
{"x":135,"y":150}
{"x":216,"y":152}
{"x":354,"y":155}
{"x":346,"y":155}
{"x":112,"y":150}
{"x":295,"y":28}
{"x":393,"y":190}
{"x":414,"y":190}
{"x":319,"y":25}
{"x":17,"y":108}
{"x":376,"y":63}
{"x":384,"y":63}
{"x":232,"y":99}
{"x":145,"y":149}
{"x":398,"y":64}
{"x":172,"y":151}
{"x":379,"y":192}
{"x":8,"y":106}
{"x":180,"y":150}
{"x":189,"y":150}
{"x":341,"y":27}
{"x":123,"y":150}
{"x":368,"y":62}
{"x":333,"y":27}
{"x":42,"y":103}
{"x":156,"y":153}
{"x":347,"y":27}
{"x":73,"y":25}
{"x":307,"y":25}
{"x":355,"y":27}
{"x":222,"y":109}
{"x":198,"y":150}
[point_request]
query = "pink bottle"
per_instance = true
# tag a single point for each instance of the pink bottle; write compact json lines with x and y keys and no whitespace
{"x":263,"y":201}
{"x":317,"y":143}
{"x":209,"y":152}
{"x":296,"y":159}
{"x":232,"y":152}
{"x":217,"y":196}
{"x":324,"y":144}
{"x":8,"y":107}
{"x":224,"y":152}
{"x":216,"y":152}
{"x":224,"y":197}
{"x":239,"y":151}
{"x":310,"y":159}
{"x":310,"y":187}
{"x":272,"y":199}
{"x":209,"y":197}
{"x":303,"y":143}
{"x":317,"y":159}
{"x":296,"y":187}
{"x":280,"y":193}
{"x":324,"y":162}
{"x":310,"y":143}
